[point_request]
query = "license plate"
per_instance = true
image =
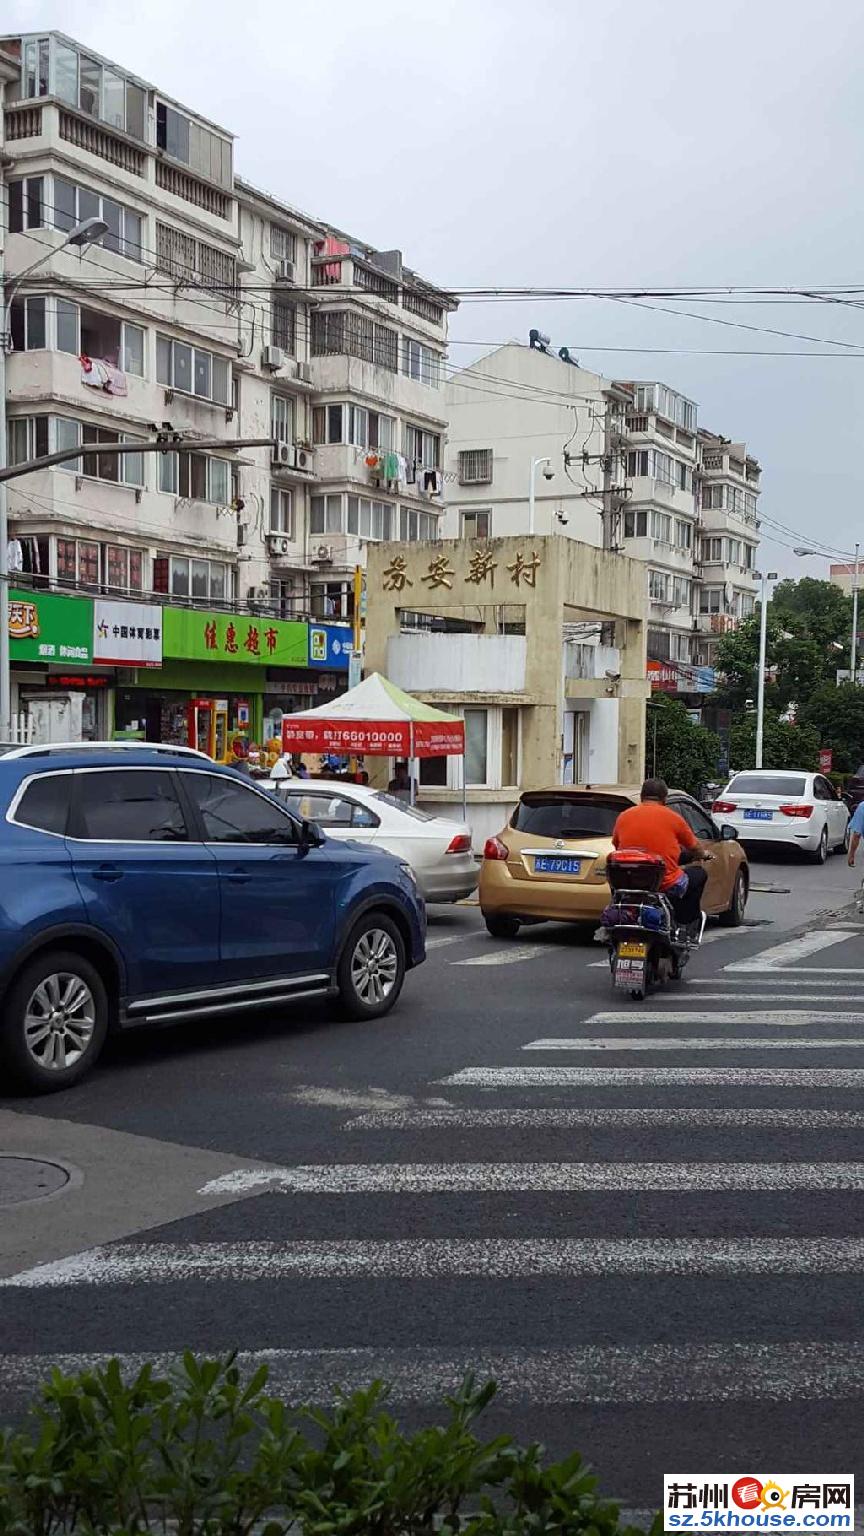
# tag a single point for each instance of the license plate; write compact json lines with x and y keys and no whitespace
{"x":549,"y":864}
{"x":758,"y":815}
{"x":632,"y":951}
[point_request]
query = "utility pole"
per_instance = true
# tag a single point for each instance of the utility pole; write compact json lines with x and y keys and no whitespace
{"x":613,"y":439}
{"x":854,"y":650}
{"x":763,"y":646}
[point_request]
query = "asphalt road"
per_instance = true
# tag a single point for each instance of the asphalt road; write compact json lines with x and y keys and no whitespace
{"x":645,"y":1221}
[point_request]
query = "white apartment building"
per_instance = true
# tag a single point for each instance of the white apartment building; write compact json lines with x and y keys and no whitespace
{"x":377,"y":349}
{"x":729,"y":539}
{"x":211,"y":309}
{"x":620,"y":463}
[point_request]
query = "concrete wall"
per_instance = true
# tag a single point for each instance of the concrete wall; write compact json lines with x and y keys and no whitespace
{"x":423,"y":663}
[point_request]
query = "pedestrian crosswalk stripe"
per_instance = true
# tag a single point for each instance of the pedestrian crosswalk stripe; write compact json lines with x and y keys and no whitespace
{"x":791,"y":1017}
{"x":792,"y":950}
{"x":690,"y":1042}
{"x":541,"y":1178}
{"x":492,"y":1258}
{"x":508,"y":956}
{"x":831,"y":1001}
{"x":773,"y":1371}
{"x":628,"y":1077}
{"x":418,"y":1119}
{"x":768,"y":984}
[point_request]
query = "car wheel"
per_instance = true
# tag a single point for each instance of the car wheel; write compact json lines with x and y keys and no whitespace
{"x":821,"y":854}
{"x":55,"y":1022}
{"x":500,"y":926}
{"x":844,"y":846}
{"x":733,"y":917}
{"x":372,"y":967}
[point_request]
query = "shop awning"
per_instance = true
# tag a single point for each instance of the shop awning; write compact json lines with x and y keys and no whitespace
{"x":375,"y":719}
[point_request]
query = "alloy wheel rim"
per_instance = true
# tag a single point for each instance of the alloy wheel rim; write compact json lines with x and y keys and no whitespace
{"x":59,"y":1021}
{"x":374,"y":966}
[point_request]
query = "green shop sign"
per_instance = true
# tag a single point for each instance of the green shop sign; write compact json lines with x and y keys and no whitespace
{"x":46,"y":627}
{"x":195,"y":636}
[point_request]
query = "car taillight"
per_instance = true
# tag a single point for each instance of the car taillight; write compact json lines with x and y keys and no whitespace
{"x":797,"y":810}
{"x":724,"y":807}
{"x":495,"y":849}
{"x":461,"y":843}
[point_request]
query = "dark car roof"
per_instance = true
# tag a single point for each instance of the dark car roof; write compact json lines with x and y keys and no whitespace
{"x":13,"y":770}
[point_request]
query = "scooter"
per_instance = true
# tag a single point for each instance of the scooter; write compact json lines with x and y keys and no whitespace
{"x":647,"y":947}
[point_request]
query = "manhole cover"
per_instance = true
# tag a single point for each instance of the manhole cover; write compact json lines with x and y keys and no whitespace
{"x":28,"y":1178}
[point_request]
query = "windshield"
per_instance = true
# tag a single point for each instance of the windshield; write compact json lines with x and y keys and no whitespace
{"x":767,"y":784}
{"x":560,"y":816}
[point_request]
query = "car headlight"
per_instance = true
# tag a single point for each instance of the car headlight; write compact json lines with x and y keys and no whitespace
{"x":407,"y":870}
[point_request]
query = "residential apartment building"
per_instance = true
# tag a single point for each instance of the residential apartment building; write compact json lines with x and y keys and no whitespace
{"x":729,"y":539}
{"x":618,"y":463}
{"x":212,"y":312}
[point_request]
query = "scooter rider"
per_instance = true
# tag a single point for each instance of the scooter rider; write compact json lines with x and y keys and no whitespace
{"x":653,"y":827}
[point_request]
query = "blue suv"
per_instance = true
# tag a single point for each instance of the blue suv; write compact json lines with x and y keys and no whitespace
{"x":144,"y":885}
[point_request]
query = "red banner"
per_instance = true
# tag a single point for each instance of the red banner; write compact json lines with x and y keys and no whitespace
{"x":439,"y":738}
{"x":826,"y":759}
{"x":375,"y":738}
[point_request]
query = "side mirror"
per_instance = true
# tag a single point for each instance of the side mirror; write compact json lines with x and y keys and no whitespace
{"x":311,"y":835}
{"x":728,"y":834}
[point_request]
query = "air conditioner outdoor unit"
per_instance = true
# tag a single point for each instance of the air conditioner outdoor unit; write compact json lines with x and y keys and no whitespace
{"x":323,"y":554}
{"x":304,"y":372}
{"x":278,"y":544}
{"x":285,"y":271}
{"x":272,"y":358}
{"x":283,"y":455}
{"x":304,"y":458}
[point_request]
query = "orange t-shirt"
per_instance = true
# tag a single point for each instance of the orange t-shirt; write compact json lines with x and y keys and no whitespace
{"x":654,"y":828}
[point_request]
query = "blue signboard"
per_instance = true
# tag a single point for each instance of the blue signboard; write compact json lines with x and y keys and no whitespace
{"x":330,"y":646}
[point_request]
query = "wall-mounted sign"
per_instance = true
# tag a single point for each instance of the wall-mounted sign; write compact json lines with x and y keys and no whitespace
{"x":127,"y":634}
{"x":193,"y":635}
{"x":45,"y":626}
{"x":330,"y":646}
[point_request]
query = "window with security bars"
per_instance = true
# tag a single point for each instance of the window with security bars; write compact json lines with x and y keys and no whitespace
{"x":341,"y":332}
{"x":475,"y":466}
{"x":194,"y":261}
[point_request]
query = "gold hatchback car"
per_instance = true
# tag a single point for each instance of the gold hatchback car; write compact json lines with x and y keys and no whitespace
{"x":549,"y":864}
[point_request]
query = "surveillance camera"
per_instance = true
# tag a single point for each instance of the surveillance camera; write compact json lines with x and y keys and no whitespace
{"x":562,"y":518}
{"x":614,"y":677}
{"x":548,"y":473}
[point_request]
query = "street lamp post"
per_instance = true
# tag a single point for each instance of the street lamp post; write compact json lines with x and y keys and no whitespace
{"x":83,"y":234}
{"x":802,"y":550}
{"x":763,"y":645}
{"x":535,"y":465}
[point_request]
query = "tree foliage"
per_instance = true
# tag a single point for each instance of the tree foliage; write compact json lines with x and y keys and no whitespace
{"x":686,"y":755}
{"x":837,"y":714}
{"x":784,"y":745}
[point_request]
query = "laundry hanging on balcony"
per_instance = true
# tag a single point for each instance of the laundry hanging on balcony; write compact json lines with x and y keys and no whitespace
{"x":100,"y":374}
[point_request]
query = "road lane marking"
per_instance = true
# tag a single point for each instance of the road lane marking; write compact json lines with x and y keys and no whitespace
{"x":793,"y":950}
{"x":607,"y":1119}
{"x":783,"y":978}
{"x":508,"y":956}
{"x":775,"y":1371}
{"x":789,"y":1017}
{"x":687,"y":1042}
{"x":427,"y":1258}
{"x":539,"y":1178}
{"x":766,"y":997}
{"x":615,"y":1077}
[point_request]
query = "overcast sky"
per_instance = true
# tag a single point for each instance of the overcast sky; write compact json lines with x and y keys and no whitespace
{"x":635,"y":143}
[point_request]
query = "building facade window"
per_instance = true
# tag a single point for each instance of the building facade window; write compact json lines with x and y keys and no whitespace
{"x":337,"y":332}
{"x":635,"y":525}
{"x":73,"y":204}
{"x":283,"y":244}
{"x":354,"y":424}
{"x":475,"y":466}
{"x":417,"y":527}
{"x":282,"y":322}
{"x":84,"y":83}
{"x":26,"y":204}
{"x":281,"y":511}
{"x":476,"y":757}
{"x":421,"y":447}
{"x":421,"y":363}
{"x":192,"y":370}
{"x":282,"y":418}
{"x":661,"y":527}
{"x":192,"y":144}
{"x":208,"y":580}
{"x":712,"y":551}
{"x":196,"y":261}
{"x":195,"y":477}
{"x":659,"y":586}
{"x":38,"y":322}
{"x":683,"y":534}
{"x":476,"y":523}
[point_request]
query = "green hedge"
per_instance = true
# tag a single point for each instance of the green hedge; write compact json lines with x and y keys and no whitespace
{"x":203,"y":1452}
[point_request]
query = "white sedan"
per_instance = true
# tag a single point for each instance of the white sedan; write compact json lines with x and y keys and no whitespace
{"x":439,"y":851}
{"x":772,"y":805}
